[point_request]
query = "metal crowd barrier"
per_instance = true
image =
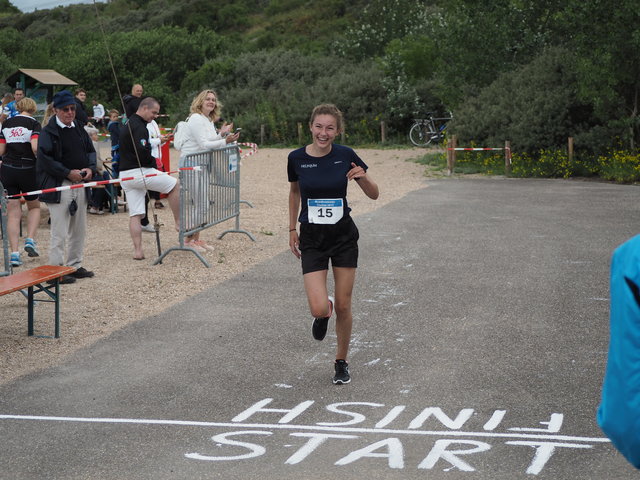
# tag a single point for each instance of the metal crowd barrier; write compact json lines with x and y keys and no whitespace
{"x":3,"y":230}
{"x":209,"y":195}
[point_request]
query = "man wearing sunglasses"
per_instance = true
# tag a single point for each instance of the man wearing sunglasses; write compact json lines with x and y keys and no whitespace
{"x":65,"y":157}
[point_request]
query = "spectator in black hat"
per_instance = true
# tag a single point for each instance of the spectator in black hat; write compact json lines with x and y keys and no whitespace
{"x":65,"y":157}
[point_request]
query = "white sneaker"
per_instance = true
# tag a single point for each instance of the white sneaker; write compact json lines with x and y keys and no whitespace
{"x":148,"y":228}
{"x":15,"y":259}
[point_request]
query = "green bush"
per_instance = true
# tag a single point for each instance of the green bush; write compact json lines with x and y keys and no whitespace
{"x":552,"y":163}
{"x":174,"y":48}
{"x":480,"y":162}
{"x":278,"y":89}
{"x":620,"y":166}
{"x":535,"y":107}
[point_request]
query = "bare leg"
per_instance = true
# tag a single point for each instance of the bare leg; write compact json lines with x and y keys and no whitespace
{"x":344,"y":280}
{"x":14,"y":214}
{"x":33,"y":217}
{"x":174,"y":203}
{"x":135,"y":229}
{"x":315,"y":284}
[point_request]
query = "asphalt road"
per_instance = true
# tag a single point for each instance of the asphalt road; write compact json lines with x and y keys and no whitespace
{"x":479,"y":347}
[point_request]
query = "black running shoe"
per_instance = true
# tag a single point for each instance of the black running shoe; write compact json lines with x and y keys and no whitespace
{"x":342,"y":373}
{"x":319,"y":325}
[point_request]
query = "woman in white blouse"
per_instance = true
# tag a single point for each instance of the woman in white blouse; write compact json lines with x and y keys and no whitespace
{"x":202,"y":136}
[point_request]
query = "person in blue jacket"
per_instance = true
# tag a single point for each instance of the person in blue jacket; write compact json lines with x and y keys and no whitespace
{"x":10,"y":110}
{"x":319,"y":175}
{"x":619,"y":411}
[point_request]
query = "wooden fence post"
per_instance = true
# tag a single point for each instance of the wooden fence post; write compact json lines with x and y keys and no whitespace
{"x":507,"y":157}
{"x":451,"y":155}
{"x":262,"y":134}
{"x":570,"y":149}
{"x":299,"y":133}
{"x":383,"y":131}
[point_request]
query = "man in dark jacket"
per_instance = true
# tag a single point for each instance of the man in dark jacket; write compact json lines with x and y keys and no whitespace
{"x":136,"y":161}
{"x":82,"y":115}
{"x":66,"y":156}
{"x":132,"y":101}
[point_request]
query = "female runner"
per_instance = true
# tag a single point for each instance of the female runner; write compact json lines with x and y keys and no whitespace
{"x":319,"y":175}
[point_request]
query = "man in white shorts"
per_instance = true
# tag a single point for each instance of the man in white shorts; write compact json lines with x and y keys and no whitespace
{"x":136,"y":161}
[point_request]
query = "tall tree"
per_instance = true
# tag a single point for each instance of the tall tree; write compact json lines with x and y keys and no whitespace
{"x":605,"y":37}
{"x":480,"y":40}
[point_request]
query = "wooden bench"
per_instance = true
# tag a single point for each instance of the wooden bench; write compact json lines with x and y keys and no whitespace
{"x":34,"y":280}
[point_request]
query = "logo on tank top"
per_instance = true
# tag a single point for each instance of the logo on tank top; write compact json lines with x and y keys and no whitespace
{"x":309,"y":165}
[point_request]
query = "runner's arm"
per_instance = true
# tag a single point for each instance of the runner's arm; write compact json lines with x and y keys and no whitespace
{"x":362,"y":178}
{"x":294,"y":205}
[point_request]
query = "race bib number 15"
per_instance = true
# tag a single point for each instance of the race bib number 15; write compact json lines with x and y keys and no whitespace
{"x":325,"y":210}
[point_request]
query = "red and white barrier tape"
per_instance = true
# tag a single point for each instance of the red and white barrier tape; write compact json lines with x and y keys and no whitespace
{"x":99,"y":182}
{"x":252,"y":146}
{"x":467,"y":149}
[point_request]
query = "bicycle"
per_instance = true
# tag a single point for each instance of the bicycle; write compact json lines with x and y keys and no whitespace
{"x":427,"y":130}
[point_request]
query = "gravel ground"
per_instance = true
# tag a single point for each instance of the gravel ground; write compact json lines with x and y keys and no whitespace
{"x":124,"y":291}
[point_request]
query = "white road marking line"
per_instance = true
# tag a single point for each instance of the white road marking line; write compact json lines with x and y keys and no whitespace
{"x":190,"y":423}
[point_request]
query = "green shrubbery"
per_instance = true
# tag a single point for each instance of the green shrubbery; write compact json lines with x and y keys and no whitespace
{"x":617,"y":165}
{"x":534,"y":107}
{"x":533,"y":73}
{"x":277,"y":90}
{"x":620,"y":165}
{"x":551,"y":164}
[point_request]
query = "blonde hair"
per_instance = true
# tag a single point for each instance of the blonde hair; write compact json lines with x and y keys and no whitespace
{"x":26,"y":105}
{"x":198,"y":102}
{"x":48,"y":113}
{"x":328,"y":109}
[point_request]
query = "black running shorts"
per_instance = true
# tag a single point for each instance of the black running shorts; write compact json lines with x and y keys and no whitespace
{"x":319,"y":243}
{"x":17,"y":180}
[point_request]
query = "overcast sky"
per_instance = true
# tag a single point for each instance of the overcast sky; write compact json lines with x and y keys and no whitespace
{"x":31,"y":5}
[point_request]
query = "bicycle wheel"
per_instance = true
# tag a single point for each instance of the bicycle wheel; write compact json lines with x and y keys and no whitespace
{"x":419,"y":135}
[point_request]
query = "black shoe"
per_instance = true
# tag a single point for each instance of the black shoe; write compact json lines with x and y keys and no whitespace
{"x":342,"y":373}
{"x":82,"y":273}
{"x":319,"y":325}
{"x":63,"y":280}
{"x":319,"y":328}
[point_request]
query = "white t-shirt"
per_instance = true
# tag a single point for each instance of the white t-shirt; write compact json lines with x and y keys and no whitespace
{"x":154,"y":139}
{"x":201,"y":135}
{"x":98,"y":111}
